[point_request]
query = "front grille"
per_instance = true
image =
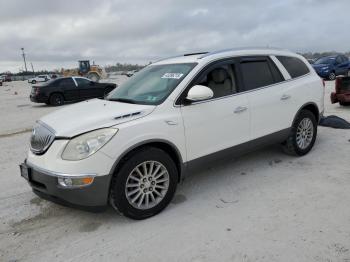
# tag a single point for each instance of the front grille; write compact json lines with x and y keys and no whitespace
{"x":41,"y":139}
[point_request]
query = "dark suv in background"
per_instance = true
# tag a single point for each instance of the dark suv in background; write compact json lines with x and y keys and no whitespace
{"x":58,"y":91}
{"x":330,"y":67}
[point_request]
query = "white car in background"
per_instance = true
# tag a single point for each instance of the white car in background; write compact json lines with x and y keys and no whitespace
{"x":39,"y":78}
{"x":132,"y":148}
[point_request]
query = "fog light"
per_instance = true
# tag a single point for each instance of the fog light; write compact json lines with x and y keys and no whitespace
{"x":75,"y":182}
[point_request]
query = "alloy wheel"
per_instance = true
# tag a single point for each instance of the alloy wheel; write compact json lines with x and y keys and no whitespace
{"x":332,"y":76}
{"x":147,"y":184}
{"x":305,"y":133}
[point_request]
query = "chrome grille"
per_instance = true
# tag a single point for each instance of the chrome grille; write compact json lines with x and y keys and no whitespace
{"x":41,"y":139}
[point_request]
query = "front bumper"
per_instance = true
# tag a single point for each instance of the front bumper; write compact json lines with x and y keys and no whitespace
{"x":45,"y":184}
{"x":323,"y":74}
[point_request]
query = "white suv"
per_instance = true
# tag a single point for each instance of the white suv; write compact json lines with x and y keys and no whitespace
{"x":39,"y":78}
{"x":131,"y":149}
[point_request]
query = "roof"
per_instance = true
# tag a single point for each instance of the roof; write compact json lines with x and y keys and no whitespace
{"x":204,"y":56}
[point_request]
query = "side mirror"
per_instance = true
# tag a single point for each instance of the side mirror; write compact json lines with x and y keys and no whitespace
{"x":92,"y":83}
{"x":199,"y":92}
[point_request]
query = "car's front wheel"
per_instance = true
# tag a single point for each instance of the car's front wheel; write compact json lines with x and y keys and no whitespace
{"x":302,"y":135}
{"x":144,"y":184}
{"x":332,"y":76}
{"x":33,"y":82}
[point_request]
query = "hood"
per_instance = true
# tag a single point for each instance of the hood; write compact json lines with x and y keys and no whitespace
{"x":93,"y":114}
{"x":320,"y":65}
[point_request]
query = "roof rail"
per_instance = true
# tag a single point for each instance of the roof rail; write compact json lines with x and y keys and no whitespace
{"x":198,"y":53}
{"x":189,"y":54}
{"x":240,"y":48}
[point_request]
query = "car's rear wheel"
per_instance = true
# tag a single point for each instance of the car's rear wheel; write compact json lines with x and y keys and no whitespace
{"x":145,"y":183}
{"x":56,"y":99}
{"x":332,"y":76}
{"x":302,"y":135}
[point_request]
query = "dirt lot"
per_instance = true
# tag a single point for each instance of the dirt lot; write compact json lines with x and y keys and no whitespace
{"x":265,"y":206}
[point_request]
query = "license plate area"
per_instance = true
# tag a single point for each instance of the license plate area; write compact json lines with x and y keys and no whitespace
{"x":25,"y":172}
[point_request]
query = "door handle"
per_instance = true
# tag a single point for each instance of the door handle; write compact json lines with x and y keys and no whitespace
{"x":240,"y":109}
{"x":285,"y":97}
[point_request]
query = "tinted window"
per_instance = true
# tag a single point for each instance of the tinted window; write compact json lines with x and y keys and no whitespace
{"x":221,"y":79}
{"x":339,"y":60}
{"x":256,"y":74}
{"x":325,"y":60}
{"x":294,"y":66}
{"x":66,"y":82}
{"x":82,"y":82}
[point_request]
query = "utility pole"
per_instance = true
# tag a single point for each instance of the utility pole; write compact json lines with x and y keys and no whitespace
{"x":24,"y":59}
{"x":32,"y":68}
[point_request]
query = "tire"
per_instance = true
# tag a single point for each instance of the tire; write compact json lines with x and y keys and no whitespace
{"x":293,"y":144}
{"x":344,"y":103}
{"x":56,"y":99}
{"x":33,"y":82}
{"x":138,"y":190}
{"x":332,"y":76}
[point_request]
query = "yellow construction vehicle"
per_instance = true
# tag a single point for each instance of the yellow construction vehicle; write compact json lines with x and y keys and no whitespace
{"x":93,"y":72}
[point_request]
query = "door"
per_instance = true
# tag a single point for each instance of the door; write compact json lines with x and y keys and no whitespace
{"x":220,"y":122}
{"x":270,"y":99}
{"x":88,"y":89}
{"x":69,"y":89}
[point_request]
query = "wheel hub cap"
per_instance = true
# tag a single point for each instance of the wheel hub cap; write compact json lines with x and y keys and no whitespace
{"x":147,"y":184}
{"x":305,"y":133}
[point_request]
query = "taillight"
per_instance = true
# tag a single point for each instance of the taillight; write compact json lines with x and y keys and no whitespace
{"x":36,"y":90}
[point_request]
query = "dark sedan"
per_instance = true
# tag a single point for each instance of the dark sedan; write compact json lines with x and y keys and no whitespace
{"x":66,"y":89}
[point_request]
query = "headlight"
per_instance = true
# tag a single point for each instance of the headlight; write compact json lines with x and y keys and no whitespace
{"x":87,"y":144}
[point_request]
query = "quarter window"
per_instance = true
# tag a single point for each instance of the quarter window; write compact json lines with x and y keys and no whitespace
{"x":257,"y":73}
{"x":294,"y":66}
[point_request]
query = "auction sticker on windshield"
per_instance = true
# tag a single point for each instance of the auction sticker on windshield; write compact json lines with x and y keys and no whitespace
{"x":172,"y":75}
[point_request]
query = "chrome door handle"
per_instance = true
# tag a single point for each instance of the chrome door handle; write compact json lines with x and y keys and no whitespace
{"x":285,"y":97}
{"x":171,"y":123}
{"x":240,"y":109}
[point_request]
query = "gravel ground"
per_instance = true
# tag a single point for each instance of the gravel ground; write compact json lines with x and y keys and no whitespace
{"x":265,"y":206}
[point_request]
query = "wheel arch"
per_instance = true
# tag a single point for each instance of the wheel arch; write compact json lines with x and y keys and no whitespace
{"x":165,"y":145}
{"x":57,"y":92}
{"x":312,"y":107}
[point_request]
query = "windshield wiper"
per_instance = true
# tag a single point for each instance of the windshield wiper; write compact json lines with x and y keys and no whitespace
{"x":123,"y":100}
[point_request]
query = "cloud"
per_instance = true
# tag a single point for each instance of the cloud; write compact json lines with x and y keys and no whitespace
{"x":56,"y":34}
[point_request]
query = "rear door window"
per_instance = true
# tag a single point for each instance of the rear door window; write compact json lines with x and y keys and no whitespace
{"x":294,"y":66}
{"x":259,"y":72}
{"x":66,"y":82}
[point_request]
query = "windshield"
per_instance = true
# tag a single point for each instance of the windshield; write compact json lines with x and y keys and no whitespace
{"x":152,"y":85}
{"x":325,"y":60}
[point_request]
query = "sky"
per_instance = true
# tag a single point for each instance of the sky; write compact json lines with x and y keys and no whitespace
{"x":56,"y":34}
